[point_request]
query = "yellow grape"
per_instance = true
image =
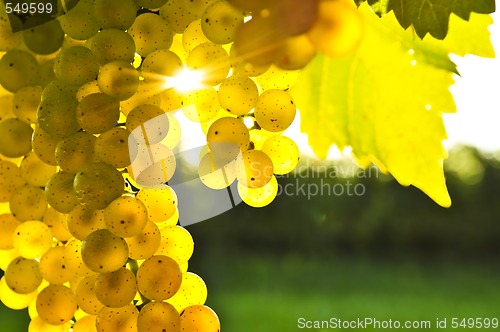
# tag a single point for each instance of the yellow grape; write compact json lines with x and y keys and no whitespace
{"x":176,"y":243}
{"x":39,"y":325}
{"x":118,"y":79}
{"x":10,"y":178}
{"x":295,"y":53}
{"x":85,"y":324}
{"x":32,"y":239}
{"x":178,"y":13}
{"x":98,"y":184}
{"x":97,"y":113}
{"x":79,"y":22}
{"x":112,"y":147}
{"x":158,"y":65}
{"x":26,"y":102}
{"x":243,"y":67}
{"x":56,"y":304}
{"x":145,"y":244}
{"x":75,"y":151}
{"x":201,"y":105}
{"x":44,"y":146}
{"x":283,"y":152}
{"x":6,"y":105}
{"x":112,"y":45}
{"x":159,"y":277}
{"x":8,"y":225}
{"x":151,"y":4}
{"x":254,"y":169}
{"x":146,"y":94}
{"x":126,"y":216}
{"x":220,"y":21}
{"x":153,"y":167}
{"x":23,"y":275}
{"x":158,"y":316}
{"x":18,"y":69}
{"x":199,"y":318}
{"x":15,"y":138}
{"x":74,"y":261}
{"x":275,"y":110}
{"x":86,"y":296}
{"x":122,"y":319}
{"x":228,"y":136}
{"x":276,"y":78}
{"x":102,"y":251}
{"x":59,"y":192}
{"x":83,"y":220}
{"x":86,"y":90}
{"x":7,"y":256}
{"x":15,"y":300}
{"x":116,"y":289}
{"x":339,"y":28}
{"x":216,"y":174}
{"x":9,"y":39}
{"x":193,"y":291}
{"x":76,"y":65}
{"x":259,"y":197}
{"x":148,"y":124}
{"x":150,"y":33}
{"x":118,"y":14}
{"x":57,"y":114}
{"x":34,"y":171}
{"x":53,"y":266}
{"x":238,"y":94}
{"x":57,"y":223}
{"x":211,"y":60}
{"x":193,"y":36}
{"x":160,"y":203}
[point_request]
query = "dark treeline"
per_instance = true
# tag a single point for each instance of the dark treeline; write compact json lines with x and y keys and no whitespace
{"x":387,"y":220}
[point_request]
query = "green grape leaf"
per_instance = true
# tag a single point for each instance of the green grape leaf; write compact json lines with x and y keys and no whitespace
{"x":385,"y":102}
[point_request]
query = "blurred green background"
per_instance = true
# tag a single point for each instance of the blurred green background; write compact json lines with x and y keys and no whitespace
{"x":388,"y":254}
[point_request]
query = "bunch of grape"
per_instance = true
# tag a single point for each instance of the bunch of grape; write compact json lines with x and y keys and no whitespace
{"x":89,"y":239}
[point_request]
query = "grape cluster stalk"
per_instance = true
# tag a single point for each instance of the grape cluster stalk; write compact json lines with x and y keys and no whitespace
{"x":90,"y":237}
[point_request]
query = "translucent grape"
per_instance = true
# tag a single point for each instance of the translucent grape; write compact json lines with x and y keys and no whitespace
{"x":116,"y":289}
{"x":259,"y":197}
{"x":176,"y":243}
{"x":150,"y":33}
{"x":10,"y":178}
{"x":193,"y":291}
{"x":220,"y":21}
{"x":193,"y":36}
{"x":74,"y":261}
{"x":39,"y":325}
{"x":160,"y":203}
{"x":6,"y":106}
{"x":46,"y":72}
{"x":14,"y":300}
{"x":154,"y":166}
{"x":215,"y":172}
{"x":59,"y":192}
{"x":87,"y":89}
{"x":232,"y":133}
{"x":76,"y":65}
{"x":276,"y":78}
{"x":7,"y":256}
{"x":75,"y":151}
{"x":294,"y":17}
{"x":58,"y":89}
{"x":44,"y":146}
{"x":8,"y":225}
{"x":15,"y":138}
{"x":57,"y":223}
{"x":83,"y":220}
{"x":254,"y":169}
{"x":18,"y":69}
{"x":32,"y":239}
{"x":112,"y":45}
{"x":151,"y":4}
{"x":145,"y":244}
{"x":26,"y":102}
{"x":28,"y":203}
{"x":148,"y":124}
{"x":9,"y":39}
{"x":86,"y":296}
{"x":178,"y":13}
{"x":112,"y":147}
{"x":159,"y":65}
{"x":201,"y":105}
{"x":295,"y":53}
{"x":275,"y":110}
{"x":23,"y":275}
{"x":56,"y":304}
{"x":171,"y":100}
{"x":97,"y":113}
{"x":53,"y":266}
{"x":85,"y":324}
{"x":119,"y":14}
{"x":122,"y":319}
{"x":146,"y":94}
{"x":242,"y":67}
{"x":338,"y":29}
{"x":118,"y":79}
{"x":57,"y":115}
{"x":238,"y":94}
{"x":102,"y":251}
{"x":283,"y":152}
{"x":159,"y":277}
{"x":212,"y":61}
{"x":98,"y":184}
{"x":126,"y":216}
{"x":199,"y":318}
{"x":43,"y":38}
{"x":158,"y":316}
{"x":79,"y":22}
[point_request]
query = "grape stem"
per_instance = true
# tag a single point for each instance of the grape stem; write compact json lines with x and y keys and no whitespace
{"x":132,"y":263}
